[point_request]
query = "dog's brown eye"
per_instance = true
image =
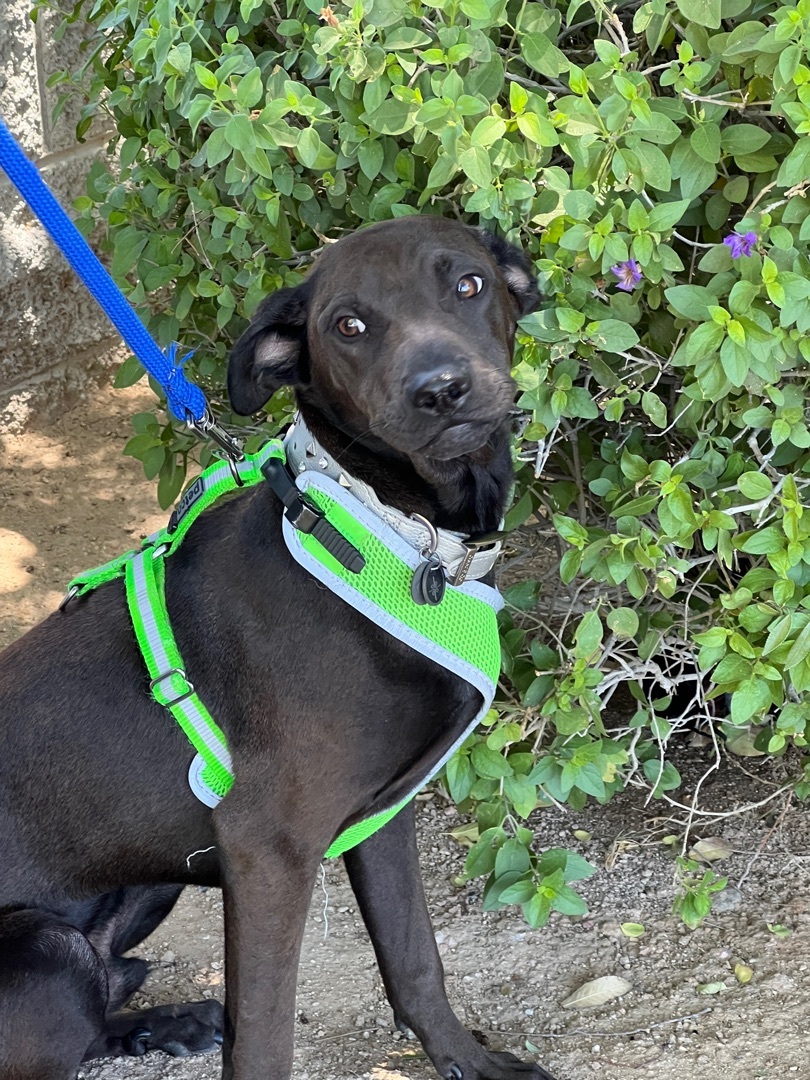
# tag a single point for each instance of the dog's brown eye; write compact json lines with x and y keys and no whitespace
{"x":349,"y":326}
{"x":469,"y":285}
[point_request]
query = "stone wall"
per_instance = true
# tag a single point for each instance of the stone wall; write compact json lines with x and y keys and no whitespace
{"x":52,"y":334}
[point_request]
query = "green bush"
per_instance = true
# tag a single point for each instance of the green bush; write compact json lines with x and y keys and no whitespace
{"x":651,"y":161}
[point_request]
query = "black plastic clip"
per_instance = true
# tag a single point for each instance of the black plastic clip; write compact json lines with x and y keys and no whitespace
{"x":307,"y":518}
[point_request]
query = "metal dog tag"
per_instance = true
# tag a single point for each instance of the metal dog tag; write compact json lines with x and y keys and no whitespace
{"x":429,"y":581}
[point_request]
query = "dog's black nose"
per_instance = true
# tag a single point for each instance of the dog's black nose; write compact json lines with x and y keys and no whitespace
{"x":440,"y":390}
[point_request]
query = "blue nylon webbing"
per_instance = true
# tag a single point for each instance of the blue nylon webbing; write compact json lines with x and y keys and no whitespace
{"x":185,"y":400}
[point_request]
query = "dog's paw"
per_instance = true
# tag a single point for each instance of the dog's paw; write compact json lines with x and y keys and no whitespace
{"x":179,"y":1030}
{"x":135,"y":1044}
{"x":489,"y":1065}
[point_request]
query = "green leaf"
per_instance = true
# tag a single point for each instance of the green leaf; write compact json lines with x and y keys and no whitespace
{"x":205,"y":77}
{"x":588,"y":636}
{"x":521,"y":793}
{"x":751,"y":697}
{"x":312,"y":152}
{"x":666,"y":216}
{"x":656,"y":128}
{"x":518,"y":893}
{"x":537,"y":129}
{"x":179,"y":57}
{"x":654,"y":407}
{"x":691,"y":301}
{"x":481,"y":856}
{"x":370,"y":156}
{"x":487,"y":131}
{"x":393,"y":117}
{"x":705,"y":141}
{"x":623,"y":622}
{"x":475,"y":9}
{"x":702,"y":12}
{"x":704,"y":340}
{"x":612,"y":335}
{"x":537,"y":910}
{"x":755,"y":485}
{"x":800,"y":649}
{"x":476,"y":166}
{"x":796,"y":166}
{"x":489,"y":763}
{"x":404,"y":38}
{"x":570,"y":530}
{"x":239,"y":133}
{"x":566,"y":901}
{"x":522,"y":595}
{"x":170,"y":482}
{"x":735,"y":360}
{"x":130,"y":372}
{"x":460,"y":777}
{"x":743,"y":139}
{"x":663,"y":779}
{"x":543,"y":56}
{"x":512,"y":857}
{"x":250,"y":89}
{"x":520,"y":513}
{"x":764,"y":542}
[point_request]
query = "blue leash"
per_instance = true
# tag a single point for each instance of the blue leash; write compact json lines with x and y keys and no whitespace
{"x":185,"y":400}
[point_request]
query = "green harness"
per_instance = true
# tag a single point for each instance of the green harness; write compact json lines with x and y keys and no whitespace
{"x":460,"y":633}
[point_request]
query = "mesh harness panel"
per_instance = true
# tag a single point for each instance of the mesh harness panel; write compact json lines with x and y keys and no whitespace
{"x":460,"y":634}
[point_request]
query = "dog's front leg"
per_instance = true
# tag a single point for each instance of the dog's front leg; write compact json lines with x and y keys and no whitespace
{"x":384,"y":872}
{"x":267,"y":879}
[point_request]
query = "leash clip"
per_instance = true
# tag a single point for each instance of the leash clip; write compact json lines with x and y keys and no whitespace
{"x":207,"y":428}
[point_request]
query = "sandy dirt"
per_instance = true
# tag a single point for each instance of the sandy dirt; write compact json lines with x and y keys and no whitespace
{"x":69,"y":500}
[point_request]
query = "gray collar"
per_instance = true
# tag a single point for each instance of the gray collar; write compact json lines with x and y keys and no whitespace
{"x":463,"y":558}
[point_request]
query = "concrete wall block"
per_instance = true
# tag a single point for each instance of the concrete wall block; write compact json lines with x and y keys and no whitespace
{"x":66,"y":54}
{"x":52,"y":332}
{"x":20,"y":99}
{"x":24,"y":244}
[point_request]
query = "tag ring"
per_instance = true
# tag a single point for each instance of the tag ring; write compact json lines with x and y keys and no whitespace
{"x":433,"y":536}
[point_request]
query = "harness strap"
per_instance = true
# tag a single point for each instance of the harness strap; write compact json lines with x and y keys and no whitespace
{"x":211,"y":773}
{"x":218,"y":479}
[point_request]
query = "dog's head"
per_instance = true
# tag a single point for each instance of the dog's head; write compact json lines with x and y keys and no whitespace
{"x":403,"y":331}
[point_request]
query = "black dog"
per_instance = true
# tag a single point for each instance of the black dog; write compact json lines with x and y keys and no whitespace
{"x":398,"y":345}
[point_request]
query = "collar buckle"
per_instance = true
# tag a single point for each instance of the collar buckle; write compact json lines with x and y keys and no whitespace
{"x":472,"y":547}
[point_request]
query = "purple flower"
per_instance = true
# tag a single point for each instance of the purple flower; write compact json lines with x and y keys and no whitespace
{"x":740,"y":245}
{"x":629,"y":274}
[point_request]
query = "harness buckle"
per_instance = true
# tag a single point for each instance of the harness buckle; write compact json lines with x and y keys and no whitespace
{"x":306,"y":518}
{"x":167,"y":675}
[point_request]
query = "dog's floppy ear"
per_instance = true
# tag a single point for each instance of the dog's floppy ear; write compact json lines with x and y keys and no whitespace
{"x":516,"y":269}
{"x":272,"y":352}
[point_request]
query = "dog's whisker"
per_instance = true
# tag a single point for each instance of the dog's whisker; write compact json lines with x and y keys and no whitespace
{"x":369,"y":431}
